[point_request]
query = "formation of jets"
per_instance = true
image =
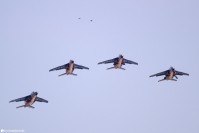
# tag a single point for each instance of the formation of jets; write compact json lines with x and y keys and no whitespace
{"x":117,"y":64}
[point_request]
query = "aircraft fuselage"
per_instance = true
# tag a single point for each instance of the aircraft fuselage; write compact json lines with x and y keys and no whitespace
{"x":70,"y":69}
{"x":119,"y":63}
{"x":30,"y":102}
{"x":170,"y":75}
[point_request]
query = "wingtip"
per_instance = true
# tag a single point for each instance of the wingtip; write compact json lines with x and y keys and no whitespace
{"x":86,"y":68}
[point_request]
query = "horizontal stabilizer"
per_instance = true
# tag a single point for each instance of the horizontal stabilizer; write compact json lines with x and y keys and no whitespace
{"x":20,"y":106}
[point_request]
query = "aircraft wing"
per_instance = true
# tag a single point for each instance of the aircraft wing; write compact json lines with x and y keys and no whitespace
{"x":181,"y":73}
{"x":108,"y":61}
{"x":20,"y":99}
{"x":80,"y":67}
{"x":38,"y":99}
{"x":160,"y":74}
{"x":130,"y":62}
{"x":60,"y":67}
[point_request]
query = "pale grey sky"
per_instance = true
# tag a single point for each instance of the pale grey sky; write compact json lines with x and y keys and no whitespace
{"x":36,"y":36}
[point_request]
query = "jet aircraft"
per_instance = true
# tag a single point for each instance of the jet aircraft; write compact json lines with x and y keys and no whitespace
{"x":29,"y":100}
{"x":170,"y":74}
{"x":69,"y":68}
{"x":118,"y":62}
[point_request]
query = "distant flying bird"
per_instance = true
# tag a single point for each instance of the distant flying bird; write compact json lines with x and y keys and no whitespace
{"x":69,"y":68}
{"x":169,"y":74}
{"x":29,"y":100}
{"x":118,"y":62}
{"x":91,"y":20}
{"x":79,"y":18}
